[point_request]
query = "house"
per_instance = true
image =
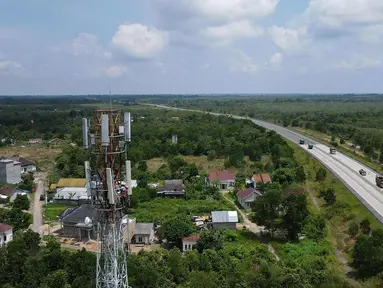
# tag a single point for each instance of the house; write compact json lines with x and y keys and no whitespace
{"x":18,"y":191}
{"x":10,"y":171}
{"x":6,"y":234}
{"x":78,"y":222}
{"x":247,"y":197}
{"x":143,"y":233}
{"x":188,"y":243}
{"x":172,"y":188}
{"x":260,"y":178}
{"x":71,"y":182}
{"x":26,"y":165}
{"x":224,"y":219}
{"x":35,"y":141}
{"x":55,"y":141}
{"x":225,"y":179}
{"x":71,"y":196}
{"x":6,"y":192}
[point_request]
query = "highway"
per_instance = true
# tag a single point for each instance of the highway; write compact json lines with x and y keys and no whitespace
{"x":343,"y":167}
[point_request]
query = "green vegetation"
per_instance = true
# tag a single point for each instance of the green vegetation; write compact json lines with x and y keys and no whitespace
{"x":52,"y":210}
{"x":16,"y":218}
{"x":21,"y":202}
{"x":351,"y":121}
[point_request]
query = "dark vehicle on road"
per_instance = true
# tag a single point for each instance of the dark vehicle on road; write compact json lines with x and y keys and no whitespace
{"x":362,"y":172}
{"x":311,"y":146}
{"x":302,"y":141}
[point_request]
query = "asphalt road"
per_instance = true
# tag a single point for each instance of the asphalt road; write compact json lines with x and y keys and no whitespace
{"x":343,"y":167}
{"x":37,"y":213}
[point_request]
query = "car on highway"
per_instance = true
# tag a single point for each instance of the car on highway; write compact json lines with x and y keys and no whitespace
{"x":302,"y":141}
{"x":362,"y":172}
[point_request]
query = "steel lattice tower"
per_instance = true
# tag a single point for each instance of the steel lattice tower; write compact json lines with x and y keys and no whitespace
{"x":109,"y":137}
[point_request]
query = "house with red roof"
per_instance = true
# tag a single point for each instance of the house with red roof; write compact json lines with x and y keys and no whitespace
{"x":6,"y":234}
{"x":224,"y":179}
{"x":260,"y":178}
{"x":247,"y":197}
{"x":189,"y":242}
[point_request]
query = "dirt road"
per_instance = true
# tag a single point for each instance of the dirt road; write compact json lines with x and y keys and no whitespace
{"x":37,"y":211}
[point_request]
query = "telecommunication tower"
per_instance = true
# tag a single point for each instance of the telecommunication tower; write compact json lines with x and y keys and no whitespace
{"x":107,"y":141}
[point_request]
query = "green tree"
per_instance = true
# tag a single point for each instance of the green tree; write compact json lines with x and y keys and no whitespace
{"x":21,"y":202}
{"x":295,"y":212}
{"x":365,"y":226}
{"x":266,"y":210}
{"x":321,"y":174}
{"x":18,"y":219}
{"x":56,"y":279}
{"x":353,"y":229}
{"x":328,"y":195}
{"x":315,"y":227}
{"x":175,"y":228}
{"x":300,"y":175}
{"x":212,"y":239}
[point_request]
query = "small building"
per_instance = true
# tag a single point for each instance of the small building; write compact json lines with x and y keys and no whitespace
{"x":55,"y":141}
{"x":260,"y":178}
{"x":172,"y":188}
{"x":247,"y":197}
{"x":10,"y":171}
{"x":143,"y":233}
{"x":75,"y":222}
{"x":224,"y":179}
{"x":71,"y":182}
{"x":224,"y":219}
{"x":18,"y":191}
{"x":35,"y":141}
{"x":71,"y":196}
{"x":26,"y":165}
{"x":6,"y":192}
{"x":6,"y":234}
{"x":189,"y":242}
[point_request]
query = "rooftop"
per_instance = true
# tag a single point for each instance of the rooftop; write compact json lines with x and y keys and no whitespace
{"x":71,"y":193}
{"x":257,"y":178}
{"x":71,"y":182}
{"x":7,"y":191}
{"x":79,"y":214}
{"x":5,"y":227}
{"x":266,"y":178}
{"x":224,"y":216}
{"x":192,"y":238}
{"x":221,"y":176}
{"x":243,"y":194}
{"x":23,"y":161}
{"x":143,"y":228}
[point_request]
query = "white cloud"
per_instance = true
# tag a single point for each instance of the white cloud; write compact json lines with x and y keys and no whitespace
{"x":232,"y":31}
{"x":357,"y":62}
{"x":242,"y":62}
{"x":115,"y":71}
{"x":277,"y":58}
{"x":10,"y":67}
{"x":233,"y":10}
{"x":139,"y":41}
{"x":87,"y":44}
{"x":288,"y":39}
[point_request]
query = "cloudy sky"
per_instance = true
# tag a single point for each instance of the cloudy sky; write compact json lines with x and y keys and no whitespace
{"x":190,"y":46}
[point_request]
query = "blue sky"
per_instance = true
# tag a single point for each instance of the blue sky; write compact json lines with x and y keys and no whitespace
{"x":191,"y":46}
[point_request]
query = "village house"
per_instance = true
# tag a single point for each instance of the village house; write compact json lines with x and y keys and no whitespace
{"x":189,"y":242}
{"x":224,"y":179}
{"x":71,"y":191}
{"x":55,"y":142}
{"x":224,"y":219}
{"x":259,"y":178}
{"x":35,"y":141}
{"x":26,"y":165}
{"x":247,"y":197}
{"x":6,"y":234}
{"x":172,"y":188}
{"x":143,"y":233}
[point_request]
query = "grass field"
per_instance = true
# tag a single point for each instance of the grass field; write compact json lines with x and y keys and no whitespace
{"x":204,"y":164}
{"x":50,"y":211}
{"x":44,"y":157}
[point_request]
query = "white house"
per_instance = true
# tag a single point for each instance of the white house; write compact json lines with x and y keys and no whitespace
{"x":26,"y":165}
{"x":143,"y":233}
{"x":6,"y":234}
{"x":225,"y":179}
{"x":189,"y":242}
{"x":247,"y":197}
{"x":224,"y":219}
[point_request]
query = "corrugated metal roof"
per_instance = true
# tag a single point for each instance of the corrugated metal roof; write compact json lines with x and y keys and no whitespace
{"x":78,"y":215}
{"x":71,"y":182}
{"x":143,"y":228}
{"x":224,"y":216}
